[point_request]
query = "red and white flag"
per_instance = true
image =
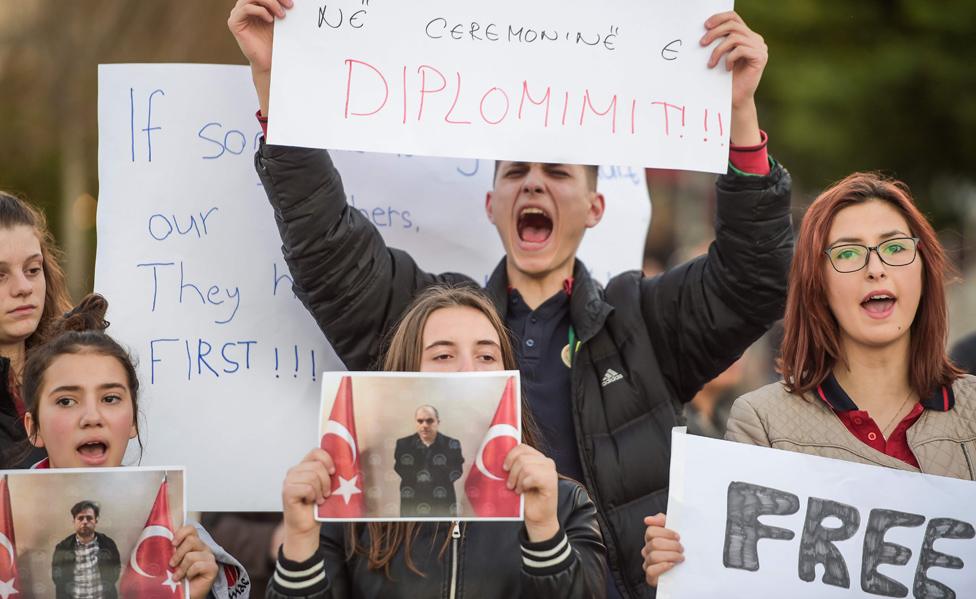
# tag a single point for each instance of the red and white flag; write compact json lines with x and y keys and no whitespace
{"x":485,"y":485}
{"x":147,"y":575}
{"x":9,"y":581}
{"x":339,"y":439}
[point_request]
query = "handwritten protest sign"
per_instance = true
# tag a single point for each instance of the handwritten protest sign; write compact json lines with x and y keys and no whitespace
{"x":760,"y":522}
{"x":548,"y":80}
{"x":190,"y":260}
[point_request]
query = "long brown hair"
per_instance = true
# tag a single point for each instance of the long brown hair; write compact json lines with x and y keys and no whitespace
{"x":811,"y":340}
{"x":16,"y":212}
{"x":404,"y":355}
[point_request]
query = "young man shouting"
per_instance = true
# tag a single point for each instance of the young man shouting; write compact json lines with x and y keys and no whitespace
{"x":606,"y":371}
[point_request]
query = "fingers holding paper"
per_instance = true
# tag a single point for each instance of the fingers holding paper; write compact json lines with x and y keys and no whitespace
{"x":252,"y":23}
{"x":533,"y":476}
{"x":662,"y":548}
{"x":306,"y":485}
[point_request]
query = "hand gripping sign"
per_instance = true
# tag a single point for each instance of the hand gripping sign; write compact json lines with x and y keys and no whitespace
{"x":760,"y":522}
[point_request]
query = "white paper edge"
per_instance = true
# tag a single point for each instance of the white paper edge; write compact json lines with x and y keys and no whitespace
{"x":676,"y":497}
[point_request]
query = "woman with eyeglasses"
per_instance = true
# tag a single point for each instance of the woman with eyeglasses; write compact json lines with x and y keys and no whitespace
{"x":866,"y":377}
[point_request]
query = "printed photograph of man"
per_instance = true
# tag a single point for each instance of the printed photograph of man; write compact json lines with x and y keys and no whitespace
{"x":428,"y":462}
{"x":385,"y":433}
{"x":86,"y":564}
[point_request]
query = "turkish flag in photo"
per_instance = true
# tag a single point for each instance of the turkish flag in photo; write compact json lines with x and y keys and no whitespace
{"x":485,"y":485}
{"x":339,"y":440}
{"x":9,"y":581}
{"x":147,"y":574}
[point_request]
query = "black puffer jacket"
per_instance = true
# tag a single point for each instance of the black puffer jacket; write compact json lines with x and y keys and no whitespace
{"x":663,"y":338}
{"x":482,"y":560}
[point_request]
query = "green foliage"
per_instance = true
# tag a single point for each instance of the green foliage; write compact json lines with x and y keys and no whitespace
{"x":871,"y":85}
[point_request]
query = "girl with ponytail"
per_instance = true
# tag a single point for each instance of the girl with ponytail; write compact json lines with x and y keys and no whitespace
{"x":80,"y":391}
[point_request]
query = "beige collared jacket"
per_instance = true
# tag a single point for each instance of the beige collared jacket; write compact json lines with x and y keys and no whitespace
{"x":944,"y":443}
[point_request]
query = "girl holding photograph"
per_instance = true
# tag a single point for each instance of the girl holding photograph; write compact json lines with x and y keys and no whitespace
{"x":80,"y":389}
{"x":865,"y":373}
{"x":32,"y":294}
{"x":556,"y":552}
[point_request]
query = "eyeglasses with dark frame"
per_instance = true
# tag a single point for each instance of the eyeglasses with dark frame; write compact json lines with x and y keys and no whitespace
{"x":852,"y":257}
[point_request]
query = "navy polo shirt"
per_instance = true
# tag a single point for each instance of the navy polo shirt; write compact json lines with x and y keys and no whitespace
{"x":539,"y":337}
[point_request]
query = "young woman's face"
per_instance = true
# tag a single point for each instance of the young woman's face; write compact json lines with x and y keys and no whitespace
{"x":875,"y":306}
{"x":460,"y":339}
{"x":85,"y":412}
{"x":21,"y":283}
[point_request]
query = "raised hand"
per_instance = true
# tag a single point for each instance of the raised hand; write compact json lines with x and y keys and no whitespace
{"x":252,"y":23}
{"x":306,"y":485}
{"x":744,"y":52}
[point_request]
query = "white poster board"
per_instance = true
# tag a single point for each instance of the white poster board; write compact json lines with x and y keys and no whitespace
{"x":542,"y":81}
{"x":190,"y":260}
{"x":760,"y":522}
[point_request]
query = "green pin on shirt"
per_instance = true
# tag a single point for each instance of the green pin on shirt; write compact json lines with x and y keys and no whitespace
{"x":569,"y":351}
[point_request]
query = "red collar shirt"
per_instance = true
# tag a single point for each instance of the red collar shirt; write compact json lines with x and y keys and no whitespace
{"x":862,"y":426}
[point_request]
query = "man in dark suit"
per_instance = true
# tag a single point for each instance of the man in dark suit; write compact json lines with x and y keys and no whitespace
{"x":86,"y":564}
{"x":428,"y":463}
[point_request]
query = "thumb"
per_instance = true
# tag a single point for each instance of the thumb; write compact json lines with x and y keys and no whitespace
{"x":658,"y":519}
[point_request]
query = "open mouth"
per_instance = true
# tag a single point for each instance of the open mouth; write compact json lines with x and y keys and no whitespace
{"x":93,"y":452}
{"x":534,"y":225}
{"x":879,"y":305}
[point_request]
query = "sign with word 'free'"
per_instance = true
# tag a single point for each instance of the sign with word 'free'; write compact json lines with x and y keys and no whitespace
{"x":761,"y":522}
{"x":190,"y":260}
{"x":542,"y":81}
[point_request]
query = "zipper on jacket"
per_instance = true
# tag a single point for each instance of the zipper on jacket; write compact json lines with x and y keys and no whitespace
{"x":455,"y":540}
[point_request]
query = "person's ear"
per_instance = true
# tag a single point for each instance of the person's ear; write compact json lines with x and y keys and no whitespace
{"x":133,"y":431}
{"x":597,"y":207}
{"x":33,"y":435}
{"x":491,"y":217}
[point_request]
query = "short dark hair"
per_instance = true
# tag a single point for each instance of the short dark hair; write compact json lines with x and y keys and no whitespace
{"x":84,"y":504}
{"x":431,"y":408}
{"x":592,"y":174}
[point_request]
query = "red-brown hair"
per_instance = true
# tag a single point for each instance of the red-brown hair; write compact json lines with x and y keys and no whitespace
{"x":811,"y":340}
